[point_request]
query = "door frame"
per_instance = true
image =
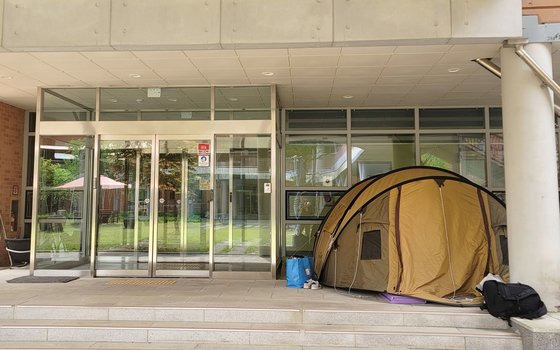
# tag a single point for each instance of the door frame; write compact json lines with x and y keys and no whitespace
{"x":155,"y":185}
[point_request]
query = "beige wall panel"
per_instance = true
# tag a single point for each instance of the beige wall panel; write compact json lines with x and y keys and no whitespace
{"x":486,"y":18}
{"x":164,"y":24}
{"x":293,"y":22}
{"x":56,"y":24}
{"x":382,"y":20}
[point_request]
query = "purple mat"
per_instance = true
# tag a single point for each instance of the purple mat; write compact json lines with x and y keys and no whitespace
{"x":402,"y":299}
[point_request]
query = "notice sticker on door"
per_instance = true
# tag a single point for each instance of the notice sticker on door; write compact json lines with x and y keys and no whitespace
{"x":267,"y":188}
{"x":203,"y":149}
{"x":203,"y":160}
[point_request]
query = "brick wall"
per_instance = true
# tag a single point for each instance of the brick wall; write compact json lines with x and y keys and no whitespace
{"x":11,"y":157}
{"x":548,"y":11}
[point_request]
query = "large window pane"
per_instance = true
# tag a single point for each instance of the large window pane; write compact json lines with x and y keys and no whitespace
{"x":316,"y":119}
{"x":300,"y":238}
{"x":452,"y":118}
{"x":497,"y":160}
{"x":242,"y":225}
{"x":316,"y":161}
{"x":239,"y":103}
{"x":310,"y":205}
{"x":155,"y":104}
{"x":63,"y":228}
{"x":461,"y":153}
{"x":68,"y":105}
{"x":367,"y":119}
{"x":377,"y":154}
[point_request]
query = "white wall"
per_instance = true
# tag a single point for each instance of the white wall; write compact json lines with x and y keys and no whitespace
{"x":49,"y":25}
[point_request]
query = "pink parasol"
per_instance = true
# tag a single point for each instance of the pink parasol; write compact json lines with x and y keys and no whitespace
{"x":106,"y":183}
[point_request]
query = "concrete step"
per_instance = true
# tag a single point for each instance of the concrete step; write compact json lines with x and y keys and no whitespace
{"x":278,"y":334}
{"x":418,"y":316}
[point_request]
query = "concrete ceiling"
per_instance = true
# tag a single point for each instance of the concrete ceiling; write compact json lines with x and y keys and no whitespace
{"x":427,"y":75}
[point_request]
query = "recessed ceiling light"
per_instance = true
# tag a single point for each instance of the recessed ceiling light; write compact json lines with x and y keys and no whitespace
{"x":113,"y":100}
{"x":453,"y":70}
{"x":268,"y":74}
{"x":139,"y":100}
{"x":347,"y":96}
{"x":233,"y":99}
{"x":172,"y":99}
{"x":134,"y":75}
{"x":6,"y":76}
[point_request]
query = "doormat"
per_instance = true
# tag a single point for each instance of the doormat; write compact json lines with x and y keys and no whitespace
{"x":43,"y":279}
{"x":143,"y":282}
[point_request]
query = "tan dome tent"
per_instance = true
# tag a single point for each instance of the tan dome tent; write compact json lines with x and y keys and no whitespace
{"x":419,"y":231}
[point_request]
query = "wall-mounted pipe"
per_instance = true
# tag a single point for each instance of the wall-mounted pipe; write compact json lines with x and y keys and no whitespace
{"x":493,"y":68}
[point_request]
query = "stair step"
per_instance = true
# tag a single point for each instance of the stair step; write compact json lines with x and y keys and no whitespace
{"x":316,"y":335}
{"x":391,"y":316}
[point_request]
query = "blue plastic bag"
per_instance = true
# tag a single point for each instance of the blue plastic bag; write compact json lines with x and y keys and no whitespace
{"x":298,"y":270}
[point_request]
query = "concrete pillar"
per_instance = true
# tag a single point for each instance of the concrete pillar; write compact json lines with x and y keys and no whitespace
{"x":531,"y":174}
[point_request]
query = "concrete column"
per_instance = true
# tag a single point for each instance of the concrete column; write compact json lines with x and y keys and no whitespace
{"x":531,"y":174}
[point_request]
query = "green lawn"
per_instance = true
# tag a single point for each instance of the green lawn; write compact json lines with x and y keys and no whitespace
{"x":114,"y":236}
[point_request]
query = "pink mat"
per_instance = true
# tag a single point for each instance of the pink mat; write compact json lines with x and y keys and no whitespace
{"x":402,"y":299}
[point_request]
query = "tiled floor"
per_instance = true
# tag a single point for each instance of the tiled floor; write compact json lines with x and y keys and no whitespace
{"x":186,"y":292}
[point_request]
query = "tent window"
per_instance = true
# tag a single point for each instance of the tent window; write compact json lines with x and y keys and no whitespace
{"x":371,"y":245}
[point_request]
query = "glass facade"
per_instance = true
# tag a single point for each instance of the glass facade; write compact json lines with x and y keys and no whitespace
{"x":204,"y":202}
{"x":175,"y":201}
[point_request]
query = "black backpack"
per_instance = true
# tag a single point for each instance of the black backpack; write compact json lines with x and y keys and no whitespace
{"x":506,"y":300}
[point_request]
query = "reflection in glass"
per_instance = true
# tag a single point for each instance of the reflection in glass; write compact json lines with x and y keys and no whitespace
{"x":242,"y":232}
{"x":300,"y":238}
{"x":316,"y":161}
{"x":242,"y":102}
{"x":377,"y":154}
{"x":68,"y":105}
{"x":316,"y":119}
{"x":63,"y":227}
{"x":183,"y":207}
{"x":452,"y":118}
{"x":123,"y":217}
{"x":497,"y":160}
{"x":310,"y":205}
{"x":495,"y":117}
{"x":122,"y":104}
{"x":462,"y":153}
{"x":367,"y":119}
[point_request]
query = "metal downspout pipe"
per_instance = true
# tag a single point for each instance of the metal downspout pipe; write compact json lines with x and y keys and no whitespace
{"x":493,"y":68}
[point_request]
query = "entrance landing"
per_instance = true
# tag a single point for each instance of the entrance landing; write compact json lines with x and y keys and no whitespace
{"x":249,"y":314}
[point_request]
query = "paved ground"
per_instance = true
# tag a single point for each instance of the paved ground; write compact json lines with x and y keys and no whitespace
{"x":190,"y":292}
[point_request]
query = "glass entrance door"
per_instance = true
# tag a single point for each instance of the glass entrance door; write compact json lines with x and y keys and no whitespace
{"x":243,"y":206}
{"x":124,"y":214}
{"x":183,"y":225}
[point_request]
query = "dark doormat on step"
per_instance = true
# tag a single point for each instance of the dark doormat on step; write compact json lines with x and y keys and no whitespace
{"x":42,"y":279}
